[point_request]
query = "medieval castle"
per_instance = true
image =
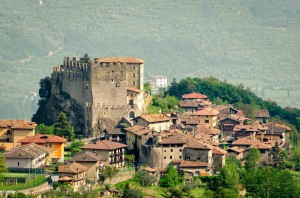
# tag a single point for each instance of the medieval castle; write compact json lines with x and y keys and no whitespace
{"x":108,"y":89}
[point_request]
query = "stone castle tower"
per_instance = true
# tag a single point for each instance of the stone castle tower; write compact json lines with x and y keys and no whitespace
{"x":107,"y":89}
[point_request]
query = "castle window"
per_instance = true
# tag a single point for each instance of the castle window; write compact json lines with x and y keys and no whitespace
{"x":171,"y":150}
{"x":133,"y":75}
{"x":8,"y":132}
{"x":133,"y":83}
{"x":170,"y":157}
{"x":133,"y":66}
{"x":180,"y":157}
{"x":112,"y":80}
{"x":206,"y":121}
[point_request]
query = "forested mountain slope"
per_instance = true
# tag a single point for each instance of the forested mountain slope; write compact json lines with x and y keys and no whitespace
{"x":251,"y":42}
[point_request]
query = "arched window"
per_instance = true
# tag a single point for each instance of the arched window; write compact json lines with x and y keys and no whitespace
{"x":131,"y":114}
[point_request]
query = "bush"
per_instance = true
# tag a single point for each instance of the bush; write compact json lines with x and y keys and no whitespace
{"x":132,"y":193}
{"x":144,"y":178}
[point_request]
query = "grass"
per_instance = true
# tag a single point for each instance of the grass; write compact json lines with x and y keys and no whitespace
{"x":20,"y":186}
{"x":197,"y":192}
{"x":15,"y":175}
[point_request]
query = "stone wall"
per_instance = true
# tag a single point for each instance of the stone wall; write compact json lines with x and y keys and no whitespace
{"x":121,"y":176}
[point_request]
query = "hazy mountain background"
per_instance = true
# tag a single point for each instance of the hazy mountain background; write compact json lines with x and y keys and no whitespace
{"x":255,"y":42}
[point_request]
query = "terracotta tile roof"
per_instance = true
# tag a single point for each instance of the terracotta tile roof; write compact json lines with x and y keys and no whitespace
{"x":202,"y":129}
{"x":173,"y":138}
{"x":65,"y":178}
{"x":236,"y":149}
{"x":176,"y":161}
{"x":72,"y":168}
{"x":261,"y":113}
{"x":206,"y":112}
{"x":148,"y":169}
{"x":187,"y":103}
{"x":247,"y":141}
{"x":17,"y":124}
{"x":194,"y":95}
{"x":29,"y":151}
{"x":277,"y":128}
{"x":105,"y":145}
{"x":132,"y":89}
{"x":218,"y":151}
{"x":196,"y":144}
{"x":138,"y":130}
{"x":152,"y":118}
{"x":250,"y":128}
{"x":88,"y":157}
{"x":189,"y":120}
{"x":189,"y":164}
{"x":204,"y":173}
{"x":42,"y":138}
{"x":120,"y":60}
{"x":115,"y":131}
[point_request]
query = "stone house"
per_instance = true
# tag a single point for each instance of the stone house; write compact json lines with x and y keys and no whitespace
{"x":73,"y":174}
{"x":241,"y":131}
{"x":208,"y":117}
{"x":92,"y":161}
{"x":261,"y":115}
{"x":54,"y":143}
{"x":190,"y":106}
{"x":236,"y":152}
{"x":227,"y":125}
{"x":218,"y":156}
{"x":26,"y":157}
{"x":11,"y":131}
{"x":157,"y":122}
{"x":111,"y":152}
{"x":115,"y":135}
{"x":193,"y":168}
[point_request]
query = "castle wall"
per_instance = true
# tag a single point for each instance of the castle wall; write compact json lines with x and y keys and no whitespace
{"x":134,"y":75}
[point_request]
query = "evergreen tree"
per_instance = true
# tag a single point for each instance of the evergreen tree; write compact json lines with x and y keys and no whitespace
{"x":252,"y":159}
{"x":278,"y":156}
{"x":62,"y":127}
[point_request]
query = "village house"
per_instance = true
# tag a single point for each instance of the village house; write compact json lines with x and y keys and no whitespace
{"x":208,"y":116}
{"x":54,"y":143}
{"x":11,"y":131}
{"x":26,"y":157}
{"x":206,"y":134}
{"x":236,"y":152}
{"x":92,"y":161}
{"x":277,"y":133}
{"x":261,"y":115}
{"x":157,"y":122}
{"x":257,"y":130}
{"x":190,"y":106}
{"x":192,"y":168}
{"x":250,"y":142}
{"x":73,"y":174}
{"x":115,"y":135}
{"x":226,"y":109}
{"x":218,"y":156}
{"x":111,"y":152}
{"x":227,"y":125}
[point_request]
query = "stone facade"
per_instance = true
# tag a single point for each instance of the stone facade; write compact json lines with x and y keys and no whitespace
{"x":101,"y":88}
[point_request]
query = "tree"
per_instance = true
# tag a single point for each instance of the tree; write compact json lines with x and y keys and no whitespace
{"x":171,"y":178}
{"x":109,"y":172}
{"x":147,"y":86}
{"x":226,"y":193}
{"x":86,"y":58}
{"x":44,"y":129}
{"x":296,"y":157}
{"x":252,"y":158}
{"x":144,"y":178}
{"x":230,"y":177}
{"x":132,"y":193}
{"x":62,"y":127}
{"x":45,"y":88}
{"x":278,"y":156}
{"x":3,"y":167}
{"x":130,"y":159}
{"x":75,"y":147}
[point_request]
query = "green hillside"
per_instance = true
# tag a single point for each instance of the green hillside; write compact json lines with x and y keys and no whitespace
{"x":252,"y":42}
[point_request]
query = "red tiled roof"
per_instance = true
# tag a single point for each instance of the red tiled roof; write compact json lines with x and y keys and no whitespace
{"x":105,"y":145}
{"x":195,"y":144}
{"x":202,"y":129}
{"x":132,"y":89}
{"x":206,"y":112}
{"x":262,"y":113}
{"x":151,"y":118}
{"x":41,"y":138}
{"x":17,"y":124}
{"x":72,"y":168}
{"x":250,"y":128}
{"x":194,"y":95}
{"x":173,"y":138}
{"x":236,"y":149}
{"x":218,"y":151}
{"x":120,"y":60}
{"x":29,"y":151}
{"x":138,"y":130}
{"x":188,"y":164}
